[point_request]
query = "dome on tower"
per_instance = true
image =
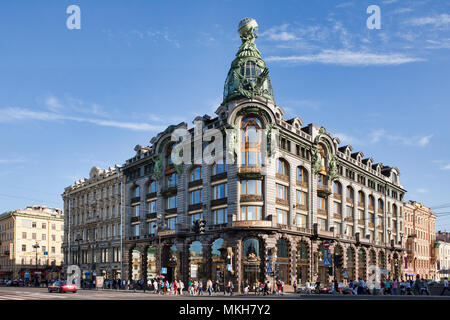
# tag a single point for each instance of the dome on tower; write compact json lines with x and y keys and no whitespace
{"x":248,"y":75}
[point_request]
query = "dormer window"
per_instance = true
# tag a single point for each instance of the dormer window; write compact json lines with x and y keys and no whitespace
{"x":251,"y":140}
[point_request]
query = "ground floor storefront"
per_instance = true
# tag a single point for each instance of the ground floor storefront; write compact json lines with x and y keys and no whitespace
{"x":256,"y":256}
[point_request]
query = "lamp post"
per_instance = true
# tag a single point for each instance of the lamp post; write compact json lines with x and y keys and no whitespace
{"x":161,"y":226}
{"x":78,"y":239}
{"x":36,"y":246}
{"x":224,"y":257}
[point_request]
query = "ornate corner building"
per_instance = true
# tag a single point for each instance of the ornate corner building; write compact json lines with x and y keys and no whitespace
{"x":290,"y":188}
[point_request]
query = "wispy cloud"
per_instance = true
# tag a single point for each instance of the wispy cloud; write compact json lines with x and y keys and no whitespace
{"x":22,"y":114}
{"x":155,"y":35}
{"x":422,"y":190}
{"x":439,"y":44}
{"x":279,"y":33}
{"x":446,"y":167}
{"x":348,"y":139}
{"x":344,"y":5}
{"x":381,"y":135}
{"x":438,"y":21}
{"x":12,"y":160}
{"x":348,"y":58}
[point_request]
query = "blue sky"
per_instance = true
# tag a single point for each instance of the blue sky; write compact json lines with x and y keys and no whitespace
{"x":72,"y":99}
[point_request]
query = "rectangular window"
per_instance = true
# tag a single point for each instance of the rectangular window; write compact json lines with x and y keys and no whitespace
{"x":337,"y":208}
{"x":349,"y":230}
{"x":220,"y":191}
{"x":349,"y":212}
{"x":251,"y":187}
{"x":322,"y":203}
{"x":24,"y":235}
{"x":33,"y":236}
{"x":171,"y":223}
{"x":282,"y":192}
{"x":220,"y":216}
{"x":194,"y":217}
{"x":44,"y":226}
{"x":152,"y":206}
{"x":171,"y":202}
{"x":338,"y":227}
{"x":24,"y":247}
{"x":302,"y":198}
{"x":136,"y":230}
{"x":33,"y":224}
{"x":151,"y":227}
{"x":282,"y":217}
{"x":322,"y":224}
{"x":195,"y":196}
{"x":360,"y":214}
{"x":301,"y":220}
{"x":251,"y":213}
{"x":137,"y":210}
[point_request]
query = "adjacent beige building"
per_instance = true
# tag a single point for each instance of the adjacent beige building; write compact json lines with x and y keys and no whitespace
{"x":420,"y":231}
{"x":31,"y":241}
{"x":443,"y":257}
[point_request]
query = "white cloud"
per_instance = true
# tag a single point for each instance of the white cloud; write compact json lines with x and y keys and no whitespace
{"x":441,"y":44}
{"x":446,"y":167}
{"x":53,"y":103}
{"x":422,"y":190}
{"x":21,"y":114}
{"x":379,"y":135}
{"x":279,"y":33}
{"x":389,"y":1}
{"x":13,"y":160}
{"x":438,"y":21}
{"x":348,"y":58}
{"x":424,"y":140}
{"x":344,"y":5}
{"x":348,"y":139}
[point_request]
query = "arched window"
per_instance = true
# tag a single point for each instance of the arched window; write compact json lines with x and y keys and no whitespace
{"x":394,"y":210}
{"x":169,"y":160}
{"x":380,"y":206}
{"x":302,"y":176}
{"x":282,"y":167}
{"x":361,"y":198}
{"x":350,"y":194}
{"x":251,"y":248}
{"x":196,"y":174}
{"x":137,"y":191}
{"x":302,"y":251}
{"x":371,"y":202}
{"x":152,"y":187}
{"x":282,"y":249}
{"x":251,"y":140}
{"x":337,"y":188}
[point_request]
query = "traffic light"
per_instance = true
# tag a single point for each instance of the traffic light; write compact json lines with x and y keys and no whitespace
{"x":196,"y":227}
{"x":338,"y":260}
{"x":202,"y":226}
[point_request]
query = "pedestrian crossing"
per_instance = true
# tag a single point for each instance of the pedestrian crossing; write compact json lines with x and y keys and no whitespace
{"x":20,"y":295}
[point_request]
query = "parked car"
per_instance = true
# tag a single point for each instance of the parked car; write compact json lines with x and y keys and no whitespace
{"x":13,"y":283}
{"x":62,"y":287}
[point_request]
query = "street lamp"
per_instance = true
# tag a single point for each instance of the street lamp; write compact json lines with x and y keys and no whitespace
{"x":36,"y":246}
{"x":161,"y":226}
{"x":223,"y":255}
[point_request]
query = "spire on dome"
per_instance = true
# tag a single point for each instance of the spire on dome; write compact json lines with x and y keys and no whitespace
{"x":248,"y":75}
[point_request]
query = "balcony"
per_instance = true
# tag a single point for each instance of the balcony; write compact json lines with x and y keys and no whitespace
{"x":151,"y":195}
{"x":218,"y":177}
{"x":302,"y":184}
{"x":135,"y":200}
{"x":250,"y":170}
{"x":361,"y":222}
{"x":282,"y":177}
{"x":282,"y":226}
{"x":251,"y":223}
{"x":349,"y":201}
{"x":301,"y":206}
{"x":323,"y":192}
{"x":325,"y":234}
{"x":303,"y":230}
{"x":349,"y":219}
{"x":337,"y":216}
{"x":371,"y":208}
{"x":195,"y":183}
{"x":169,"y":191}
{"x":337,"y":196}
{"x":218,"y":202}
{"x":371,"y":224}
{"x":282,"y":202}
{"x":322,"y":211}
{"x":135,"y":219}
{"x":360,"y":204}
{"x":193,"y":207}
{"x":251,"y":198}
{"x":151,"y":215}
{"x":171,"y":210}
{"x":217,"y":226}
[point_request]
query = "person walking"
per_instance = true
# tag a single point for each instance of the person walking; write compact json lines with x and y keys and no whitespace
{"x":209,"y":287}
{"x":230,"y":287}
{"x":445,"y":286}
{"x":181,"y":285}
{"x":395,"y":286}
{"x":416,"y":286}
{"x":387,"y":287}
{"x":424,"y":287}
{"x":408,"y":287}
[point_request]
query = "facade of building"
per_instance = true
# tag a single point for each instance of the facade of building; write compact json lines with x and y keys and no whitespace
{"x":93,"y":226}
{"x":420,"y":232}
{"x":285,"y":189}
{"x":31,"y":243}
{"x":443,"y":258}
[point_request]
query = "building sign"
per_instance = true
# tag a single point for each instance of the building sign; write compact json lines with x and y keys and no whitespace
{"x":166,"y":232}
{"x":84,"y":247}
{"x":99,"y":281}
{"x":115,"y":244}
{"x":103,"y":245}
{"x":74,"y":249}
{"x":230,"y":267}
{"x":252,"y":223}
{"x":164,"y":270}
{"x":194,"y":269}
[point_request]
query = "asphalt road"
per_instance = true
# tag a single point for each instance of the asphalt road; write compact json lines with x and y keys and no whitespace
{"x":27,"y":293}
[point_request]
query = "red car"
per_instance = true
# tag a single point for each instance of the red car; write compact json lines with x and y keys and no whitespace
{"x":62,"y":287}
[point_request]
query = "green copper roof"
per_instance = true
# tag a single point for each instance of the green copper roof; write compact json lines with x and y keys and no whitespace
{"x":248,"y":75}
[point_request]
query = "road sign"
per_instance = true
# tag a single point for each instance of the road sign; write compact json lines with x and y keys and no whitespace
{"x":326,"y":262}
{"x":345,"y":274}
{"x":230,"y":267}
{"x":326,"y":244}
{"x":45,"y":253}
{"x":327,"y":254}
{"x":164,"y":270}
{"x":269,"y":258}
{"x":269,"y":270}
